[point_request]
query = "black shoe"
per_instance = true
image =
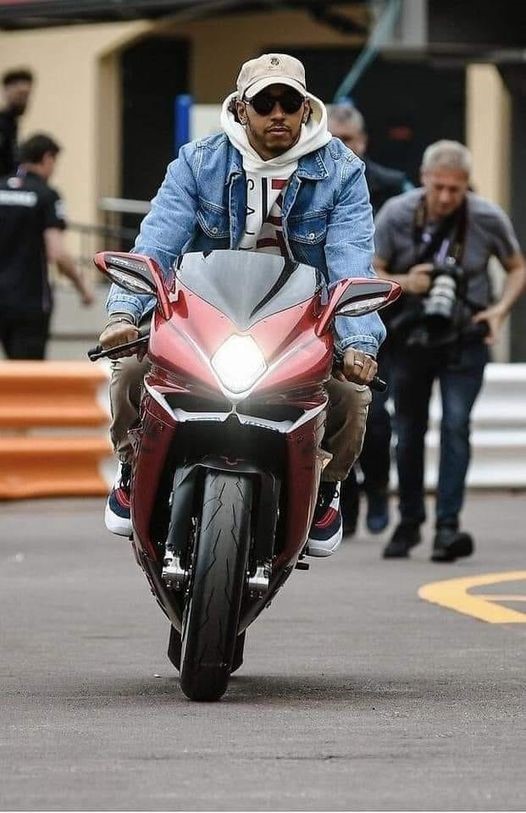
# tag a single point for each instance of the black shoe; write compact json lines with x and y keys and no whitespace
{"x":404,"y":538}
{"x":377,"y":511}
{"x":449,"y":544}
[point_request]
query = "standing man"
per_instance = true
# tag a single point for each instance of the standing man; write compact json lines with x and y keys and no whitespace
{"x":436,"y":242}
{"x":16,"y":85}
{"x":31,"y":235}
{"x":347,"y":124}
{"x":274,"y":181}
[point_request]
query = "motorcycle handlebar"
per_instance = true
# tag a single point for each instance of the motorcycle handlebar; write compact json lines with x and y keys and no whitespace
{"x":98,"y":352}
{"x":377,"y":384}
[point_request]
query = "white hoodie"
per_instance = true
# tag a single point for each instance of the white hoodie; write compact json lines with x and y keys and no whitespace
{"x":267,"y":180}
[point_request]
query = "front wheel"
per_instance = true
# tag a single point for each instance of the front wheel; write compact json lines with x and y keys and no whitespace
{"x":211,"y":619}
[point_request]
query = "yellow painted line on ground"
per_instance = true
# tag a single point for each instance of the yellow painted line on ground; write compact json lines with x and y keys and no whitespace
{"x":453,"y":594}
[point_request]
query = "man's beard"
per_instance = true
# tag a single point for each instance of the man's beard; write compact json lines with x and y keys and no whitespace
{"x":18,"y":108}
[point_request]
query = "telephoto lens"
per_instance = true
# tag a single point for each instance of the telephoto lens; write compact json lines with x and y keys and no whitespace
{"x":440,"y":301}
{"x":441,"y":298}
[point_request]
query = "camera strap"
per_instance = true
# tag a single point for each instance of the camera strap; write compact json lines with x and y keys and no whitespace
{"x":446,"y":241}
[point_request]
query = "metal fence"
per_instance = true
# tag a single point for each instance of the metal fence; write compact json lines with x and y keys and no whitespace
{"x":120,"y":226}
{"x":85,"y":240}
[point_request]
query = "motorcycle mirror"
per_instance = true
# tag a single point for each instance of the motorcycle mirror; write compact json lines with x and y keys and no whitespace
{"x":365,"y":296}
{"x":355,"y":297}
{"x":127,"y":271}
{"x":135,"y":273}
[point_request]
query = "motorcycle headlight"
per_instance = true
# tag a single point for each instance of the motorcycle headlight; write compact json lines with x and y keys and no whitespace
{"x":239,"y":363}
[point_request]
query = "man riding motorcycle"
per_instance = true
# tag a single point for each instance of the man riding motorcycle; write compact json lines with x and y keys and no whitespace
{"x":274,"y":181}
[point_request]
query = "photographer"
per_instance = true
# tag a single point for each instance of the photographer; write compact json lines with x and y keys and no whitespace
{"x":436,"y":242}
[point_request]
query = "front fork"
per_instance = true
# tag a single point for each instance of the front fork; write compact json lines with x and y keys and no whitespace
{"x":176,"y":570}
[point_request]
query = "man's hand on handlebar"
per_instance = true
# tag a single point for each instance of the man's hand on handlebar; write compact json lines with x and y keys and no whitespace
{"x":357,"y":367}
{"x":120,"y":332}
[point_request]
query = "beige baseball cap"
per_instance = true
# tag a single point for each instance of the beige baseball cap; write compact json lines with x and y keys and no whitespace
{"x":270,"y":69}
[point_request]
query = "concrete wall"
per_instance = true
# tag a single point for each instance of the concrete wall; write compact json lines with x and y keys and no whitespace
{"x":488,"y":119}
{"x":488,"y":136}
{"x":75,"y":99}
{"x":77,"y":94}
{"x":220,"y":47}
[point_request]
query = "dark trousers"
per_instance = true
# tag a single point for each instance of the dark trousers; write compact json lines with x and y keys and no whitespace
{"x":460,"y":375}
{"x":375,"y":459}
{"x":24,"y":336}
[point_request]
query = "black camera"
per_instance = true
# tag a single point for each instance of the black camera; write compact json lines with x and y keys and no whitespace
{"x":441,"y":318}
{"x":439,"y":315}
{"x":439,"y":304}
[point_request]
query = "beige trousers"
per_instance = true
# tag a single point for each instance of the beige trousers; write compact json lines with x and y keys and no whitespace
{"x":344,"y":433}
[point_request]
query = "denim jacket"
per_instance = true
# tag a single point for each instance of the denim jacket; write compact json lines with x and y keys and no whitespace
{"x":327,"y":221}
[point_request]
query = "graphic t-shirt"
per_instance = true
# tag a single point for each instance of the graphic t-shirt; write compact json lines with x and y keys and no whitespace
{"x":263,"y":223}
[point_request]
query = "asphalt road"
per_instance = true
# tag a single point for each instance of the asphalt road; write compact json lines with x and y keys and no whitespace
{"x":355,"y":694}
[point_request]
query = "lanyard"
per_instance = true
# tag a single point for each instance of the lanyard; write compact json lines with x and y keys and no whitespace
{"x":447,"y":241}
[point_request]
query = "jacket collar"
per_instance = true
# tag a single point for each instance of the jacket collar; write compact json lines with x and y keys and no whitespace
{"x":311,"y":167}
{"x":235,"y":166}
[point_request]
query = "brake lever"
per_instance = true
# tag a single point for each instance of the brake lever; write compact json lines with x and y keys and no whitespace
{"x":98,"y":352}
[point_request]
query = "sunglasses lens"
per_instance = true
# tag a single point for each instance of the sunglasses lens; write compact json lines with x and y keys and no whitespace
{"x":291,"y":102}
{"x":264,"y":103}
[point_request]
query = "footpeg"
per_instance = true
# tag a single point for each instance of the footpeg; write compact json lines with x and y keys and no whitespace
{"x":302,"y":565}
{"x":173,"y":574}
{"x":258,"y":583}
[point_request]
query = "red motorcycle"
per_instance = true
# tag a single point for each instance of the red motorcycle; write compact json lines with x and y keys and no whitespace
{"x":228,"y":453}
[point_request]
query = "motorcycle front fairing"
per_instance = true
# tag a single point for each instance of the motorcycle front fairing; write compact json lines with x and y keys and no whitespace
{"x":236,"y":382}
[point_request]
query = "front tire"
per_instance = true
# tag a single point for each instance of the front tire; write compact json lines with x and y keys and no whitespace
{"x":211,"y":619}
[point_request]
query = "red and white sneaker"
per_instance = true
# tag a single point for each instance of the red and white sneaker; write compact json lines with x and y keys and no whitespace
{"x":117,"y":514}
{"x":326,"y":530}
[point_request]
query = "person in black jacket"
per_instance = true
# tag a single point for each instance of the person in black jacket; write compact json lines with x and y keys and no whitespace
{"x":31,"y":236}
{"x":17,"y":85}
{"x":347,"y":124}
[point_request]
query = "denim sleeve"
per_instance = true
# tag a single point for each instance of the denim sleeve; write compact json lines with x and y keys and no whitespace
{"x":348,"y":253}
{"x":166,"y":229}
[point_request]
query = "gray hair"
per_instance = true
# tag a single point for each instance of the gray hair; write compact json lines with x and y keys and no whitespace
{"x":446,"y":154}
{"x":345,"y":113}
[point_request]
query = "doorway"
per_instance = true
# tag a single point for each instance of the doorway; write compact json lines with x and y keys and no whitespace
{"x":153,"y":72}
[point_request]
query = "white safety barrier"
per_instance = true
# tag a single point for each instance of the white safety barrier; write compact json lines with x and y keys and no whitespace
{"x":498,"y":436}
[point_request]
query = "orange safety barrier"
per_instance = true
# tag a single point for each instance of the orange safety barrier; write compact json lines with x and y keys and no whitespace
{"x":36,"y":400}
{"x":51,"y":393}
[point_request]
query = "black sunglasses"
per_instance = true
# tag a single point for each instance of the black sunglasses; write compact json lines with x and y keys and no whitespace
{"x":264,"y":103}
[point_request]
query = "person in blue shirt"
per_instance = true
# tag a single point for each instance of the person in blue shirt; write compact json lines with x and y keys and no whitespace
{"x":274,"y":180}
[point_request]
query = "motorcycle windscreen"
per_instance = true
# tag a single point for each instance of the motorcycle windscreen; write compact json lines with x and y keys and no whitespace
{"x":247,"y":286}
